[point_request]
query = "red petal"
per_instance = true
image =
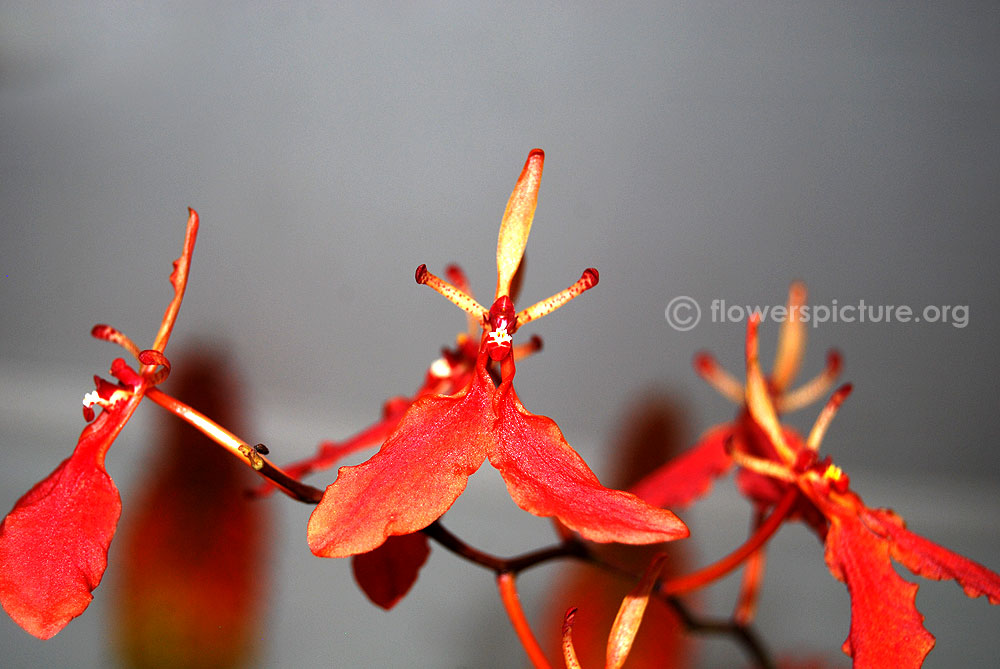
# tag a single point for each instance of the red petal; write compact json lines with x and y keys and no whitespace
{"x":415,"y":477}
{"x":886,"y":628}
{"x":387,"y":573}
{"x":459,"y":373}
{"x":926,"y":558}
{"x":546,"y":477}
{"x":689,"y":475}
{"x":54,"y":543}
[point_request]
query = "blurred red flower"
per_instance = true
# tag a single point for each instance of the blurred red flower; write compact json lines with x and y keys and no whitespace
{"x":194,"y":553}
{"x":886,"y":627}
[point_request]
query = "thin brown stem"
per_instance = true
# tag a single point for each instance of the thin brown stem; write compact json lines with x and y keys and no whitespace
{"x":576,"y":549}
{"x":514,"y":565}
{"x":744,"y":634}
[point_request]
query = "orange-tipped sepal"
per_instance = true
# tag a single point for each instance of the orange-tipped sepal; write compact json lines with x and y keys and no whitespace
{"x":517,"y":219}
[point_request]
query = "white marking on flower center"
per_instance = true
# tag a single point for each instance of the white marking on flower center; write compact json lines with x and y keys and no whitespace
{"x":92,"y":398}
{"x":500,"y":336}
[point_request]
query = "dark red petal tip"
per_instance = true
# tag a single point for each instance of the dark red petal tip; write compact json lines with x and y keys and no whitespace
{"x":841,"y":393}
{"x":704,"y":363}
{"x":834,"y":361}
{"x":387,"y":573}
{"x":153,"y":357}
{"x":102,"y":331}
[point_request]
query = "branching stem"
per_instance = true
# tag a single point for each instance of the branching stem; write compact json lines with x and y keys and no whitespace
{"x":506,"y":569}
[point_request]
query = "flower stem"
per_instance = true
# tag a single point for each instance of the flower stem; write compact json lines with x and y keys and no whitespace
{"x":239,"y":448}
{"x":178,"y":279}
{"x":512,"y":603}
{"x":573,"y":548}
{"x":753,"y":576}
{"x":719,"y":569}
{"x":568,"y":548}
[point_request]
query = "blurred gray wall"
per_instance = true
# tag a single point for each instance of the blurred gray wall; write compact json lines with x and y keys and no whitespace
{"x":710,"y":150}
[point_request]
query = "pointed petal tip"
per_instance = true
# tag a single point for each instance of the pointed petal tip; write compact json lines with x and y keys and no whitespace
{"x":517,"y":218}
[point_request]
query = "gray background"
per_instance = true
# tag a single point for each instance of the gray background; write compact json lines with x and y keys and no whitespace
{"x":714,"y":150}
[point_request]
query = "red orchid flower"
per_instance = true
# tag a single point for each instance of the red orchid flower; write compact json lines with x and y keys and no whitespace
{"x":387,"y":573}
{"x":886,"y":627}
{"x":446,"y":376}
{"x":54,"y":542}
{"x":690,"y":475}
{"x":424,"y":465}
